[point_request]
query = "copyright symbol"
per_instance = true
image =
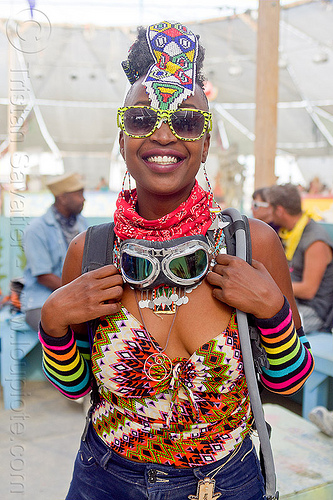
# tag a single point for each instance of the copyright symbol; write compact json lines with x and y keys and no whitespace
{"x":26,"y":34}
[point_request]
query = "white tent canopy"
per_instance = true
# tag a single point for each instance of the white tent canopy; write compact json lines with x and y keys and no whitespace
{"x":76,"y":83}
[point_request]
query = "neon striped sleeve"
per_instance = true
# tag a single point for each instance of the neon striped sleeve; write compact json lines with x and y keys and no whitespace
{"x":66,"y":362}
{"x":288,"y":353}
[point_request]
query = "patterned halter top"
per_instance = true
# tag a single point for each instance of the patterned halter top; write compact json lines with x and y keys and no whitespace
{"x":195,"y":416}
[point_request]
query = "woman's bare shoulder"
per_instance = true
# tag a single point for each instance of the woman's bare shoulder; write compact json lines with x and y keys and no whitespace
{"x":264,"y":240}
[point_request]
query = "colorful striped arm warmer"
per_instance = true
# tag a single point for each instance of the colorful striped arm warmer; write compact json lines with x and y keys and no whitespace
{"x":288,"y":353}
{"x":66,"y":362}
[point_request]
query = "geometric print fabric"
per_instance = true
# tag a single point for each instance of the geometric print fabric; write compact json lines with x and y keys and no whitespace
{"x":171,"y":79}
{"x":195,"y":416}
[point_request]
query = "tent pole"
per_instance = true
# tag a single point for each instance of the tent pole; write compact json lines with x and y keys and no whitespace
{"x":266,"y":92}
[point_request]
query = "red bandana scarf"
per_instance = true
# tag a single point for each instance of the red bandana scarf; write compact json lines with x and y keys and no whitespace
{"x":191,"y":217}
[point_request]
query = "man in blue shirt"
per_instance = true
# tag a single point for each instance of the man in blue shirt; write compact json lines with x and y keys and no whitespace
{"x":46,"y":240}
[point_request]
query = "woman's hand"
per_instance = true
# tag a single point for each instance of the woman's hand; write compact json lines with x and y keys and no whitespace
{"x":248,"y":288}
{"x":89,"y":296}
{"x":256,"y":289}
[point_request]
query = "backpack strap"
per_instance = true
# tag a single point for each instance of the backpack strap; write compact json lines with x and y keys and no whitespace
{"x":230,"y":228}
{"x":97,"y":252}
{"x":98,"y":246}
{"x":246,"y":341}
{"x":230,"y":232}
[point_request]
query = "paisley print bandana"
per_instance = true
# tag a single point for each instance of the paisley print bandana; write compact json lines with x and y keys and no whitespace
{"x":171,"y":79}
{"x":191,"y":217}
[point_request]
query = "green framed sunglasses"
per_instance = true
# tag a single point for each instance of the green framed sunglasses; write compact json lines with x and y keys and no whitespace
{"x":142,"y":121}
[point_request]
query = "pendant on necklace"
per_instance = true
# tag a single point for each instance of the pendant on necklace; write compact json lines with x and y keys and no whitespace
{"x":162,"y":299}
{"x":182,"y":300}
{"x":205,"y":490}
{"x":157,"y":367}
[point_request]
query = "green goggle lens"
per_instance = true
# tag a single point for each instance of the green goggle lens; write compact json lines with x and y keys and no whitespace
{"x":189,"y":266}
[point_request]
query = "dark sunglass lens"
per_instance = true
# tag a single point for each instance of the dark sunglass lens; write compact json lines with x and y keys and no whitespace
{"x":139,"y":121}
{"x":135,"y":268}
{"x":188,"y":124}
{"x":189,"y":266}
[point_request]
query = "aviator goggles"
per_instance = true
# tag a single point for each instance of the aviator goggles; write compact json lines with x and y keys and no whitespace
{"x":182,"y":262}
{"x":185,"y":124}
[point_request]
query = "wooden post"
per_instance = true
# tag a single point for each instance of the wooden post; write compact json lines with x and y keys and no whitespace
{"x":266,"y":92}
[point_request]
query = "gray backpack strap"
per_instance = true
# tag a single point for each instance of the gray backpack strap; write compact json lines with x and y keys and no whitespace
{"x":230,"y":233}
{"x":97,"y":252}
{"x":268,"y":467}
{"x":98,"y":246}
{"x":230,"y":228}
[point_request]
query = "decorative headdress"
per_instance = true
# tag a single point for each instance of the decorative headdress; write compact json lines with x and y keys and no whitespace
{"x":171,"y":79}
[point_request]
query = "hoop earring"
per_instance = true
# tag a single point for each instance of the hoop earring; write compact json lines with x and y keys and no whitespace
{"x":211,"y":199}
{"x":127,"y":175}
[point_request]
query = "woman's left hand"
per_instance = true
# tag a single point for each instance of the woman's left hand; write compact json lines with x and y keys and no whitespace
{"x":248,"y":288}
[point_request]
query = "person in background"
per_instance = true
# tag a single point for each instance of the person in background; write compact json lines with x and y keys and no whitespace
{"x":102,"y":185}
{"x":308,"y":249}
{"x":261,"y":209}
{"x":46,"y":240}
{"x":316,"y":187}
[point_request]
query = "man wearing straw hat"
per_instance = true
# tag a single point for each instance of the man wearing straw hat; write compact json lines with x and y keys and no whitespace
{"x":46,"y":241}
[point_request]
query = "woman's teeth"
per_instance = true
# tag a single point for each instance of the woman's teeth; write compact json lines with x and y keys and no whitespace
{"x":162,"y":160}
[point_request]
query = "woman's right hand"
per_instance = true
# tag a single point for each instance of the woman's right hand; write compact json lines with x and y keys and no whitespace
{"x":89,"y":296}
{"x":82,"y":297}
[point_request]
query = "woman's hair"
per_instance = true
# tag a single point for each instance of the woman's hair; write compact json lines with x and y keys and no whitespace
{"x":140,"y":58}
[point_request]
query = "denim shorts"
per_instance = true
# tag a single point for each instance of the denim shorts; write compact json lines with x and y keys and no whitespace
{"x":101,"y":474}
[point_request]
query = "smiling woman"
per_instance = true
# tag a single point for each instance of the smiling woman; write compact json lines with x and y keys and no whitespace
{"x":154,"y":331}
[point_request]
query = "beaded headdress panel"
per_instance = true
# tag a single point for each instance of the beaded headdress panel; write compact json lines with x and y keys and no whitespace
{"x":171,"y":79}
